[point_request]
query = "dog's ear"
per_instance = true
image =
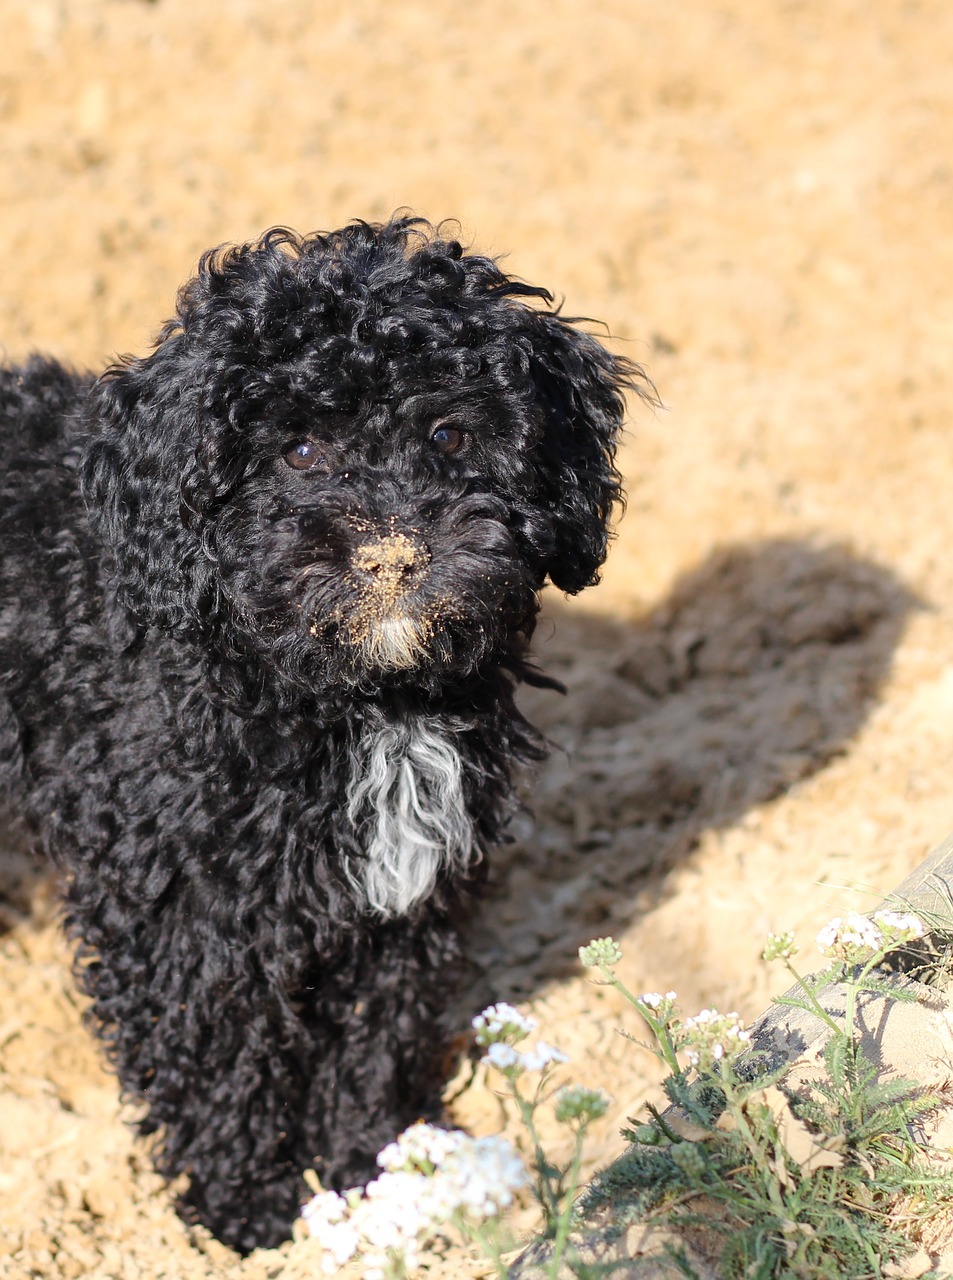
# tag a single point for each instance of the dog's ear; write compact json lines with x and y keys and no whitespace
{"x":139,"y":466}
{"x":580,"y":390}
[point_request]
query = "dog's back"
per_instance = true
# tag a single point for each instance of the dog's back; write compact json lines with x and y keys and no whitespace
{"x":46,"y":550}
{"x":38,"y":414}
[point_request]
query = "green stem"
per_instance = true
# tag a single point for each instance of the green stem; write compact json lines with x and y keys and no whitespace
{"x":755,"y":1149}
{"x":667,"y":1046}
{"x":659,"y":1119}
{"x":813,"y":1004}
{"x":569,"y":1195}
{"x":660,"y":1030}
{"x":489,"y":1242}
{"x":850,"y":1008}
{"x":548,"y":1195}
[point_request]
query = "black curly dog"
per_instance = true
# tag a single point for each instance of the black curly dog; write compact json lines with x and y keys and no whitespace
{"x":265,"y":597}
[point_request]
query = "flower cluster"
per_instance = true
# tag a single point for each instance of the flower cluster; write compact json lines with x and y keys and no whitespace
{"x":856,"y":939}
{"x":499,"y":1028}
{"x":501,"y":1023}
{"x":711,"y":1037}
{"x":419,"y":1149}
{"x":655,"y":1007}
{"x":511,"y":1062}
{"x":689,"y":1157}
{"x":327,"y":1217}
{"x":780,"y":946}
{"x":852,"y":939}
{"x":601,"y":952}
{"x":431,"y":1176}
{"x":577,"y":1103}
{"x":897,"y":927}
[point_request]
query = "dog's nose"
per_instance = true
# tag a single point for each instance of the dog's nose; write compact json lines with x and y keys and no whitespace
{"x":391,"y":562}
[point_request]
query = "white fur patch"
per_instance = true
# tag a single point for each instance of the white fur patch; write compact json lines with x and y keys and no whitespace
{"x":406,"y":802}
{"x":392,"y":643}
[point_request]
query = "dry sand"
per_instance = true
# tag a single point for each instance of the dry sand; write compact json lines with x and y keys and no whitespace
{"x":756,"y":198}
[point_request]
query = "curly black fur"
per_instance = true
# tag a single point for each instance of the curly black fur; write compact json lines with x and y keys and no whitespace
{"x":264,"y":599}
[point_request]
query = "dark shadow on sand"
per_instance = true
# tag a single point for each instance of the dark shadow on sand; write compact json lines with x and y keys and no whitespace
{"x":762,"y":665}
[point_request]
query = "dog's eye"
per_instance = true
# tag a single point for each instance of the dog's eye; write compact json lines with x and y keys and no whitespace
{"x":305,"y":456}
{"x":447,"y":439}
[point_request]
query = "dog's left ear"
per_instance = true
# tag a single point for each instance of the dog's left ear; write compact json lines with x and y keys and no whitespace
{"x":580,"y":389}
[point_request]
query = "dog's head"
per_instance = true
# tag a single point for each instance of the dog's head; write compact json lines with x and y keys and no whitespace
{"x":357,"y":455}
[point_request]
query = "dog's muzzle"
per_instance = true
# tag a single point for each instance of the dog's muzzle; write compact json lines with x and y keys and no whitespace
{"x":384,"y":622}
{"x":391,"y":581}
{"x":390,"y":566}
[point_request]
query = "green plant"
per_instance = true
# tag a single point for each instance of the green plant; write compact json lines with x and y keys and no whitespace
{"x":783,"y":1177}
{"x":792,"y":1178}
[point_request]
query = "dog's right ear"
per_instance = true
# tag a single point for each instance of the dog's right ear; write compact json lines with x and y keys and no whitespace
{"x":141,"y":460}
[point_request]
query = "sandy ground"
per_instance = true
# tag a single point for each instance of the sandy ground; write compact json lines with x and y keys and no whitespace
{"x":759,"y":732}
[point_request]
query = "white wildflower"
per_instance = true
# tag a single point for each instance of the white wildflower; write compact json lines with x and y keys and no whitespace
{"x":326,"y":1217}
{"x":430,"y":1176}
{"x":512,"y":1062}
{"x":898,"y":927}
{"x":657,"y":1008}
{"x":421,"y":1147}
{"x":853,"y":939}
{"x":503,"y":1057}
{"x":396,"y":1210}
{"x":542,"y":1056}
{"x":712,"y":1037}
{"x":501,"y":1022}
{"x":483,"y":1175}
{"x":653,"y":1000}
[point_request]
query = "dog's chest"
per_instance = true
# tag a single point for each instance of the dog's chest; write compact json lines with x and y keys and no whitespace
{"x":406,"y":802}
